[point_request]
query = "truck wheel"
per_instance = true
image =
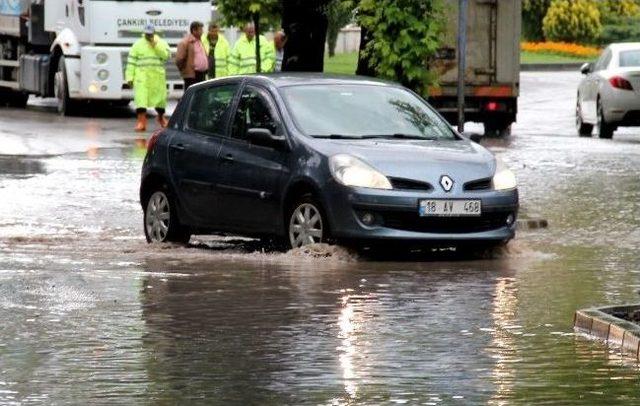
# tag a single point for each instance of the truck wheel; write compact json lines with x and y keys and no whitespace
{"x":497,"y":128}
{"x":19,"y":100}
{"x":66,"y":106}
{"x":13,"y":99}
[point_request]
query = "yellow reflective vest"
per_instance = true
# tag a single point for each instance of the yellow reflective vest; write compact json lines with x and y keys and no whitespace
{"x":146,"y":68}
{"x":220,"y":53}
{"x":243,"y":56}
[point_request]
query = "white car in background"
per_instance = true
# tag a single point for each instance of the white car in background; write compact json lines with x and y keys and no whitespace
{"x":609,"y":93}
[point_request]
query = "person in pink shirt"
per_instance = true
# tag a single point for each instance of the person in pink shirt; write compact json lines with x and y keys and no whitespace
{"x":191,"y":58}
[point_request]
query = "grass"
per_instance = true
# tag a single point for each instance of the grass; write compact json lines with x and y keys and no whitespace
{"x":536,"y":57}
{"x":346,"y":63}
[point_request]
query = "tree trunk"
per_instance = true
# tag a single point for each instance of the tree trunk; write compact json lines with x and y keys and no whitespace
{"x":256,"y":24}
{"x":305,"y":24}
{"x":364,"y":67}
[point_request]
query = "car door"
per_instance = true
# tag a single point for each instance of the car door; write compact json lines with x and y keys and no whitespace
{"x":194,"y":152}
{"x":594,"y":80}
{"x":251,"y":174}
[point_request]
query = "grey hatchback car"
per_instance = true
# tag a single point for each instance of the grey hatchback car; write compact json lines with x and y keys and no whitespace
{"x":312,"y":158}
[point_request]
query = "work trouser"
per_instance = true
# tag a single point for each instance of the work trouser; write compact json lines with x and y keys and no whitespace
{"x":200,"y":77}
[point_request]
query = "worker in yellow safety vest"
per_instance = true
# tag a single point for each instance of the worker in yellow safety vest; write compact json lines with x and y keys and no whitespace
{"x":217,"y":48}
{"x":146,"y":73}
{"x":243,"y":56}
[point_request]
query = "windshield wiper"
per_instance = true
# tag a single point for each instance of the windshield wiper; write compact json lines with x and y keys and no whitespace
{"x":344,"y":136}
{"x":407,"y":136}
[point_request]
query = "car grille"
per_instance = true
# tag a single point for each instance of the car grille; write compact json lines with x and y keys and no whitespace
{"x":408,"y":221}
{"x":408,"y":184}
{"x":482,"y":184}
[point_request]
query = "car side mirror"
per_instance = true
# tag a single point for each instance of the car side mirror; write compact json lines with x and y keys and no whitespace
{"x":586,"y":68}
{"x":264,"y":137}
{"x":475,"y":137}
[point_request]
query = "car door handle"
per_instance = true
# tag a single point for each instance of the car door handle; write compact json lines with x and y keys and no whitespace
{"x":228,"y":158}
{"x":178,"y":147}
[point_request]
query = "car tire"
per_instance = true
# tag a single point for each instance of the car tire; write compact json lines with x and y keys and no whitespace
{"x":306,"y":223}
{"x":160,"y":220}
{"x":584,"y":129}
{"x":605,"y":130}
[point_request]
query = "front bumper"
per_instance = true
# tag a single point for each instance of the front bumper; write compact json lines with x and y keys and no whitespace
{"x":396,"y":216}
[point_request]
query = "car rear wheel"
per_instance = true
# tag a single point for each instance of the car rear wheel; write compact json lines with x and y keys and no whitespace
{"x":605,"y":130}
{"x":584,"y":129}
{"x":161,"y":222}
{"x":307,"y":223}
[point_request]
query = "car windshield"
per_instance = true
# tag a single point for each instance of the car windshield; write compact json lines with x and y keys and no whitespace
{"x":363,"y":111}
{"x":630,"y":58}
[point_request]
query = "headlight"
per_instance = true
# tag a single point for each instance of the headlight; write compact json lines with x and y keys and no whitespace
{"x":504,"y":178}
{"x":103,"y":74}
{"x":351,"y":171}
{"x":101,"y":58}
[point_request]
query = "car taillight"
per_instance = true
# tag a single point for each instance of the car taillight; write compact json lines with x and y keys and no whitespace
{"x":153,"y":139}
{"x":620,"y":83}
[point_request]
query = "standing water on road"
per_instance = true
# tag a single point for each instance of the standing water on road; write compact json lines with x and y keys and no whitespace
{"x":92,"y":314}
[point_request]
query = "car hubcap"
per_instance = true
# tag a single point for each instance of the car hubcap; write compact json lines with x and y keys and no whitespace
{"x":157,"y":217}
{"x":305,"y":226}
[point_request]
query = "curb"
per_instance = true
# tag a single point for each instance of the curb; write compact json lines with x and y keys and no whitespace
{"x":602,"y":325}
{"x":532,"y":224}
{"x":550,"y":67}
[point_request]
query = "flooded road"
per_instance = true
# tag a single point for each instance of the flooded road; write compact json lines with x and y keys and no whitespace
{"x":93,"y":315}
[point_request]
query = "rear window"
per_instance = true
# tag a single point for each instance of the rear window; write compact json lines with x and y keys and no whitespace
{"x":630,"y":58}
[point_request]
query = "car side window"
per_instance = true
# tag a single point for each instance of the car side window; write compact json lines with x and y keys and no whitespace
{"x":253,"y":112}
{"x":603,"y":61}
{"x":209,"y":109}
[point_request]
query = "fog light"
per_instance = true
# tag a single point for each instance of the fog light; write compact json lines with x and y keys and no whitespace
{"x":103,"y":74}
{"x":103,"y":88}
{"x":93,"y":88}
{"x":510,"y":219}
{"x":368,"y":219}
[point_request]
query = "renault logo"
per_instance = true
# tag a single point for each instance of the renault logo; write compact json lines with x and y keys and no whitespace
{"x":446,"y":183}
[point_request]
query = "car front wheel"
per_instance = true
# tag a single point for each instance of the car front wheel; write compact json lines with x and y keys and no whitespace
{"x":161,"y":222}
{"x":605,"y":130}
{"x":307,"y":223}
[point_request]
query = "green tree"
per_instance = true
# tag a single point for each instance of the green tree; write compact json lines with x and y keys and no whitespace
{"x":239,"y":12}
{"x":339,"y":14}
{"x":263,"y":13}
{"x":573,"y":21}
{"x":612,"y":10}
{"x":533,"y":12}
{"x":401,"y":36}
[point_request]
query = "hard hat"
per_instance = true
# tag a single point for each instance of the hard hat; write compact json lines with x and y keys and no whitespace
{"x":149,"y":29}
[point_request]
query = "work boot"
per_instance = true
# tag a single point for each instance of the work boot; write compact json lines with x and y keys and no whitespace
{"x":162,"y":121}
{"x":141,"y":124}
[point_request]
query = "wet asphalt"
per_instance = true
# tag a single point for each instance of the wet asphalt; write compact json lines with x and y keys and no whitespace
{"x":91,"y":314}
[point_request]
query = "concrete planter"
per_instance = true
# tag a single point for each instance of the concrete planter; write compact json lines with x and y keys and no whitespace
{"x":602,"y":324}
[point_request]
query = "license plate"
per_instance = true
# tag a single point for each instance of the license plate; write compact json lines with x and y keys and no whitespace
{"x":446,"y":208}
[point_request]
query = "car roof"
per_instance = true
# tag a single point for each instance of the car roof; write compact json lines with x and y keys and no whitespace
{"x":624,"y":46}
{"x":284,"y":79}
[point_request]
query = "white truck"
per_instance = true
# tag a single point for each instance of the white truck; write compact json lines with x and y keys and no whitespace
{"x":492,"y":76}
{"x":76,"y":50}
